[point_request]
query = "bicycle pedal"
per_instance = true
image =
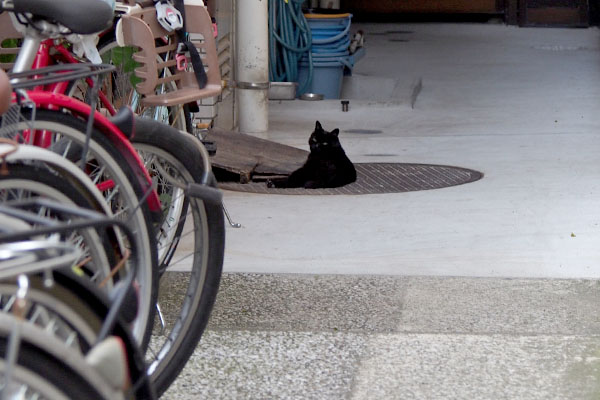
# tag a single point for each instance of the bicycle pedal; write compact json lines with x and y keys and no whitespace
{"x":211,"y":147}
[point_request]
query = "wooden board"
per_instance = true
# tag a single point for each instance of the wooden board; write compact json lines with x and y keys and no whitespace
{"x":253,"y":158}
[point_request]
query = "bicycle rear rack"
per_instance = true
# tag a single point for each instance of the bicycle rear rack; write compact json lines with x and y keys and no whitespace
{"x":57,"y":73}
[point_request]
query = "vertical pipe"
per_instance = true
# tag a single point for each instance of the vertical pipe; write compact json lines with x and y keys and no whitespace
{"x":252,"y":65}
{"x":27,"y":54}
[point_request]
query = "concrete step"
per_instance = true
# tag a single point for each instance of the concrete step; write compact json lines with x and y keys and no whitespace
{"x":290,"y":336}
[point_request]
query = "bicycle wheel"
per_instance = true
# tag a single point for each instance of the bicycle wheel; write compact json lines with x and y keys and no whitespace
{"x":45,"y":367}
{"x":118,"y":87}
{"x":109,"y":171}
{"x":28,"y":382}
{"x":57,"y":309}
{"x":21,"y":181}
{"x":73,"y":310}
{"x":172,"y":158}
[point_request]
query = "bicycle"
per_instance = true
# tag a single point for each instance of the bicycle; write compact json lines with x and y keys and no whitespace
{"x":192,"y":179}
{"x":62,"y":320}
{"x":110,"y":159}
{"x":118,"y":86}
{"x":176,"y":157}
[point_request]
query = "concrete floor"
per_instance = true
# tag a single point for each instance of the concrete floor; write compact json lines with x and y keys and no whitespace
{"x":519,"y":105}
{"x":406,"y":295}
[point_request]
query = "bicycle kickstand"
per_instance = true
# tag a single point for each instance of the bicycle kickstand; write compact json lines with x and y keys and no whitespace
{"x":231,"y":223}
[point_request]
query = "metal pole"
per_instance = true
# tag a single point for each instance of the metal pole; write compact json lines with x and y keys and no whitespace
{"x":252,"y":66}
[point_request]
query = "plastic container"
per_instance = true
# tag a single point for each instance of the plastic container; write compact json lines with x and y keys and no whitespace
{"x":330,"y":56}
{"x":327,"y":54}
{"x":347,"y":62}
{"x":328,"y":21}
{"x":339,"y":46}
{"x":327,"y":77}
{"x":329,"y":30}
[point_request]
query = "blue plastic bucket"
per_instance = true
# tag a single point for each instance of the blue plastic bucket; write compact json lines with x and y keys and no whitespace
{"x":326,"y":22}
{"x":346,"y":61}
{"x":326,"y":33}
{"x":332,"y":48}
{"x":340,"y":53}
{"x":327,"y":77}
{"x":334,"y":37}
{"x":340,"y":56}
{"x":327,"y":30}
{"x":330,"y":42}
{"x":322,"y":39}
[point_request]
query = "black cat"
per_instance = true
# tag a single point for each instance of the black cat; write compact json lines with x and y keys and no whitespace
{"x":327,"y":165}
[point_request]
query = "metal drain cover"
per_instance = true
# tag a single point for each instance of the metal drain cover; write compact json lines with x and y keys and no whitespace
{"x":379,"y":178}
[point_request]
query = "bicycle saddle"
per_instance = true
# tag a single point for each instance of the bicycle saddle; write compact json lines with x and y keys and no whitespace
{"x":80,"y":16}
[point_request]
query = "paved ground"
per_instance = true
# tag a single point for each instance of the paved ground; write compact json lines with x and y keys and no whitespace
{"x":481,"y":291}
{"x":367,"y":337}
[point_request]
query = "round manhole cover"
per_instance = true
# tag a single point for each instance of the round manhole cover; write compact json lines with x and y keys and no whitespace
{"x":379,"y":178}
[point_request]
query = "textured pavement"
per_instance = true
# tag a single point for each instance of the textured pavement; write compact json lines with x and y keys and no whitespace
{"x":380,"y":337}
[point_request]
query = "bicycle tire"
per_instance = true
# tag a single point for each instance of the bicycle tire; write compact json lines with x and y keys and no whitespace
{"x":20,"y":179}
{"x":176,"y":148}
{"x":47,"y":383}
{"x":32,"y":383}
{"x":178,"y":116}
{"x":119,"y":89}
{"x":78,"y":308}
{"x":112,"y":162}
{"x":59,"y":307}
{"x":43,"y":360}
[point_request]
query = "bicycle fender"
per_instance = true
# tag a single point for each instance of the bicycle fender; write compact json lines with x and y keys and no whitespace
{"x":118,"y":139}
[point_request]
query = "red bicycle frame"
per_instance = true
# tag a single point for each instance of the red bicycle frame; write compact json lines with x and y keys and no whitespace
{"x":53,"y":97}
{"x":44,"y":58}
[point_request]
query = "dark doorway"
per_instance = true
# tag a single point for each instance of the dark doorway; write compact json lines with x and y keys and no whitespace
{"x":574,"y":13}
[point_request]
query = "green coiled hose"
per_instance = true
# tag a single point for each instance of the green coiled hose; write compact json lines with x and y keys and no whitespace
{"x":289,"y":39}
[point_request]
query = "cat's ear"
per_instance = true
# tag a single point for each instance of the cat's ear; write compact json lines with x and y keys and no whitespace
{"x":318,"y":126}
{"x":335,"y":132}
